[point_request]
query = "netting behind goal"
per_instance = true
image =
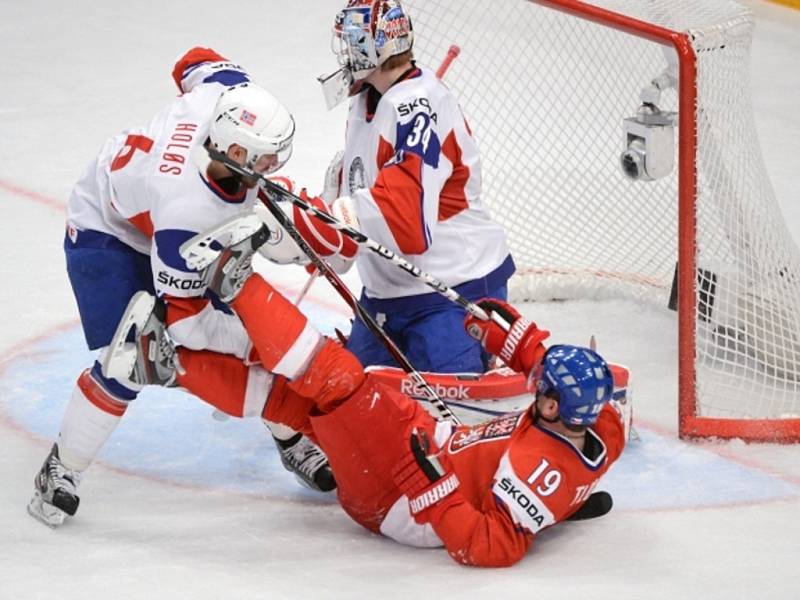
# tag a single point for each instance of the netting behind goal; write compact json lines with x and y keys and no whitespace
{"x":545,"y":86}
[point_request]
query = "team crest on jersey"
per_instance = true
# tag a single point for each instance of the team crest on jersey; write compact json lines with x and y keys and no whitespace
{"x":355,"y":178}
{"x":501,"y":427}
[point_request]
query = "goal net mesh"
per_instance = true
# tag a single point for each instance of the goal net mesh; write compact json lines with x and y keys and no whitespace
{"x":546,"y":92}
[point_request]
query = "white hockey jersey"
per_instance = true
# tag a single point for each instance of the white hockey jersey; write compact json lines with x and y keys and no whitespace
{"x":414,"y":173}
{"x":144,"y":190}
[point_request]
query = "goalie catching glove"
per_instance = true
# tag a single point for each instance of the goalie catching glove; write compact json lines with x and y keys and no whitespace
{"x":426,"y":477}
{"x":507,"y":334}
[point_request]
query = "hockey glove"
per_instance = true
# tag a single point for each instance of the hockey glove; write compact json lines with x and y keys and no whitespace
{"x":425,"y":476}
{"x":326,"y":241}
{"x":333,"y":178}
{"x":507,"y":334}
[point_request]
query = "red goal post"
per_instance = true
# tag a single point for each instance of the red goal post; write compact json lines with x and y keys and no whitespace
{"x":546,"y":86}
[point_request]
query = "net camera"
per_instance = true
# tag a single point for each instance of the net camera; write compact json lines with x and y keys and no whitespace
{"x":649,"y":152}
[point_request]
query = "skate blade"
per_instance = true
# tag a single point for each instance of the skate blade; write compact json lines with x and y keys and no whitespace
{"x":304,"y":482}
{"x":121,"y":356}
{"x":46,"y":513}
{"x":204,"y":248}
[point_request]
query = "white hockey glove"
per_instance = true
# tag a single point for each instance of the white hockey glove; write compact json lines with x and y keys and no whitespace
{"x":333,"y":178}
{"x":280,"y":247}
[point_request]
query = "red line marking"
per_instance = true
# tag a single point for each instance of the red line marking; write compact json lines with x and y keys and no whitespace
{"x":33,"y":196}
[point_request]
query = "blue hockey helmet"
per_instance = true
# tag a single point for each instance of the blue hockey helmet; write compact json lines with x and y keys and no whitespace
{"x":582,"y":380}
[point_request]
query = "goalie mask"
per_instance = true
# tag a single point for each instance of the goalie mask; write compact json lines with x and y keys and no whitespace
{"x":365,"y":35}
{"x":582,"y":380}
{"x":251,"y":117}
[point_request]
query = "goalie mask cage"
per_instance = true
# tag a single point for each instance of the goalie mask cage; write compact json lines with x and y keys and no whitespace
{"x":545,"y":85}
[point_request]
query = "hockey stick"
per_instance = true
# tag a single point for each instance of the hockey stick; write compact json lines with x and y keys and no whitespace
{"x":276,"y":193}
{"x":452,"y":54}
{"x":329,"y":274}
{"x":311,"y":279}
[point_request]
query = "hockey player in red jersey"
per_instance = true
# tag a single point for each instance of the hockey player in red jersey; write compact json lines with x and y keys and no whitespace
{"x":138,"y":201}
{"x":483,"y":492}
{"x":410,"y":179}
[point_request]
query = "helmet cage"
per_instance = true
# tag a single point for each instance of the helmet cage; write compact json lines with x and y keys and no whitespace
{"x":367,"y":33}
{"x":353,"y":42}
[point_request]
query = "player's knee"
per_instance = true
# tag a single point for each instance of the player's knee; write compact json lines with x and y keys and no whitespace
{"x":332,"y":376}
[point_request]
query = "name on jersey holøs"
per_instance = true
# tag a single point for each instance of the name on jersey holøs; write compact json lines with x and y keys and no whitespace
{"x":180,"y":139}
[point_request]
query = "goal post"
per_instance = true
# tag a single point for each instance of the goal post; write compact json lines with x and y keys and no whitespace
{"x":561,"y":94}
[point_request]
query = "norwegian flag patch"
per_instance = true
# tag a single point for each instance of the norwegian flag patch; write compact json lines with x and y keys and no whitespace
{"x":248,"y":118}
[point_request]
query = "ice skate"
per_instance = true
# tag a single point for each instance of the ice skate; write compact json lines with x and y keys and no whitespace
{"x":54,"y":498}
{"x":141,"y":351}
{"x":306,"y":460}
{"x":225,"y":253}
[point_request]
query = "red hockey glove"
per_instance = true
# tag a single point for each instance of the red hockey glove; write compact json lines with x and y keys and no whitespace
{"x":425,"y":476}
{"x":520,"y":346}
{"x":323,"y":238}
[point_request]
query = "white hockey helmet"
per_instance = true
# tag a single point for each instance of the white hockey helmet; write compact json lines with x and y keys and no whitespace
{"x":248,"y":115}
{"x":365,"y":35}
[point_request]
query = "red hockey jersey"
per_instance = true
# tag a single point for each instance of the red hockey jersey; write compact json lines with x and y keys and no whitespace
{"x":516,"y":479}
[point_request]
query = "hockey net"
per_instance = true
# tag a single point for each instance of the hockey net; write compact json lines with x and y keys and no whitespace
{"x":545,"y":85}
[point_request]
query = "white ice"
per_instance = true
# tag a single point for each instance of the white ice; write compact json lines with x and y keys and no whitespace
{"x":184,"y":506}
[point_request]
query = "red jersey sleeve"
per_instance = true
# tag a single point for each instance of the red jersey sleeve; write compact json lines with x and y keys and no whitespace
{"x":482,"y":538}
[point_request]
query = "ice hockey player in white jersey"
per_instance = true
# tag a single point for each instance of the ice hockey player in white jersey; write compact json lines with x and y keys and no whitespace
{"x":410,"y":179}
{"x":127,"y":216}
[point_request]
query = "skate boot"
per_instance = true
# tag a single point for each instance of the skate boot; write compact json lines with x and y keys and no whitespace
{"x":306,"y":460}
{"x":141,"y":351}
{"x":225,"y":253}
{"x":54,"y":498}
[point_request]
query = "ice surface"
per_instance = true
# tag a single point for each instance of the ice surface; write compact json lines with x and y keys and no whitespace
{"x":183,"y":506}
